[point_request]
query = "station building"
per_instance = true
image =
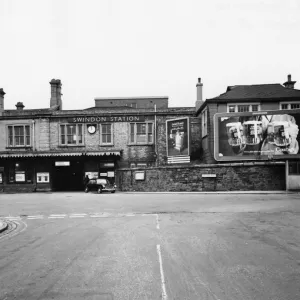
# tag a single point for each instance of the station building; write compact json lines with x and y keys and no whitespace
{"x":52,"y":149}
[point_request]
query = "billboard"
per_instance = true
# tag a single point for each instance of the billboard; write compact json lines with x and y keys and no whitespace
{"x":259,"y":135}
{"x":178,"y":137}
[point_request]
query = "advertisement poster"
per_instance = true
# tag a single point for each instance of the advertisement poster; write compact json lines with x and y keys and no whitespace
{"x":91,"y":175}
{"x":20,"y":176}
{"x":177,"y":137}
{"x":257,"y":136}
{"x":42,"y":177}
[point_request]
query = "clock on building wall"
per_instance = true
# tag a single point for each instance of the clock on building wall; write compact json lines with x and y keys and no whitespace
{"x":91,"y":129}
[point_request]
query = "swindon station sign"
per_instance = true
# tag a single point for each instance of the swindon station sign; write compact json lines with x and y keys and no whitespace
{"x":103,"y":119}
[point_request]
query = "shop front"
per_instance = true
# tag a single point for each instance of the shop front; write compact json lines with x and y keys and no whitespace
{"x":27,"y":172}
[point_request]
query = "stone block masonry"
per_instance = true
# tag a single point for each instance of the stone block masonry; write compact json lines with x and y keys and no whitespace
{"x":229,"y":177}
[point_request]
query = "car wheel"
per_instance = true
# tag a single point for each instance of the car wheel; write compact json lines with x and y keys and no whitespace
{"x":113,"y":192}
{"x":100,"y":190}
{"x":86,"y":190}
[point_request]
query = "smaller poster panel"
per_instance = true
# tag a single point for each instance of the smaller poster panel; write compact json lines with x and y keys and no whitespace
{"x":177,"y":137}
{"x":20,"y":176}
{"x":111,"y":174}
{"x":91,"y":175}
{"x":140,"y":175}
{"x":42,"y":177}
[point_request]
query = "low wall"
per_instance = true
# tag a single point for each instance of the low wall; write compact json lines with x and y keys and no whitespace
{"x":228,"y":177}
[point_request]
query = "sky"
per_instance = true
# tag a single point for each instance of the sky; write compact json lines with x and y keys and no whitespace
{"x":132,"y":48}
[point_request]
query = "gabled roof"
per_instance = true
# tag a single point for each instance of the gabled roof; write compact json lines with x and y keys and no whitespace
{"x":258,"y":91}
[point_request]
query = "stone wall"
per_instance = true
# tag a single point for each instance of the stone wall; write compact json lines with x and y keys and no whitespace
{"x":229,"y":177}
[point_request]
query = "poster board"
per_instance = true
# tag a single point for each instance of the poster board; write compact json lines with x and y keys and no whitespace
{"x":262,"y":135}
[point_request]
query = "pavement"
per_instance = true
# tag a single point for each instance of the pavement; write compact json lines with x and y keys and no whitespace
{"x":151,"y":246}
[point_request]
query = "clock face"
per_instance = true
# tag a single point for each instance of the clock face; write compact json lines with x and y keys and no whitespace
{"x":92,"y":129}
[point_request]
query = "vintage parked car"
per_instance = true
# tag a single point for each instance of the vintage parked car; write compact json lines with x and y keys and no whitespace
{"x":101,"y":185}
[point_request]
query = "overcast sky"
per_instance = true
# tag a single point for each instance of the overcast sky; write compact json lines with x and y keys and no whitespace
{"x":123,"y":48}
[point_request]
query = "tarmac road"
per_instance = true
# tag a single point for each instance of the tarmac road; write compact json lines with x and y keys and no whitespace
{"x":150,"y":246}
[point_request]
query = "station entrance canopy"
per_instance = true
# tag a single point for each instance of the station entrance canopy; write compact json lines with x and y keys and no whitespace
{"x":57,"y":154}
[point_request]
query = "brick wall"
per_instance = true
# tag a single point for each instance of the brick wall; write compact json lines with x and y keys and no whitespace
{"x":229,"y":177}
{"x":131,"y":153}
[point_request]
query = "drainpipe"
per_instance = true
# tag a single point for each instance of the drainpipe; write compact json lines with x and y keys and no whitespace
{"x":287,"y":175}
{"x":33,"y":135}
{"x":155,"y":133}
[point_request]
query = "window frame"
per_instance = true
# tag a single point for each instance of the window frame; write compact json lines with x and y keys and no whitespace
{"x":147,"y":133}
{"x":204,"y":123}
{"x":111,"y":133}
{"x":250,"y":104}
{"x":66,"y":134}
{"x":289,"y":104}
{"x":25,"y":136}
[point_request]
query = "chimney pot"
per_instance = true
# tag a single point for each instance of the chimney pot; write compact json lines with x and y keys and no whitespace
{"x":2,"y":93}
{"x":20,"y":106}
{"x":289,"y":83}
{"x":55,"y":100}
{"x":199,"y":87}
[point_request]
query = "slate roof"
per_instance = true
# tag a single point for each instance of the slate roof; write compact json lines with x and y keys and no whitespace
{"x":259,"y":91}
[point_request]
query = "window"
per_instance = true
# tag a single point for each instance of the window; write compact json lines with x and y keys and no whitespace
{"x":71,"y":134}
{"x":141,"y":133}
{"x":291,"y":105}
{"x":294,"y":168}
{"x":106,"y":137}
{"x":242,"y":107}
{"x":19,"y":136}
{"x":204,"y":122}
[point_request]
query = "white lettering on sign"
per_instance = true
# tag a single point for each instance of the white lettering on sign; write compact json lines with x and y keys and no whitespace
{"x":98,"y":119}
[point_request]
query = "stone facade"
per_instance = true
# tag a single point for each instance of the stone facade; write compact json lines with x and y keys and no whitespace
{"x":229,"y":177}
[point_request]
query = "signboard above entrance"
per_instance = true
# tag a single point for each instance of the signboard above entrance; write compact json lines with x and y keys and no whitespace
{"x":62,"y":163}
{"x":105,"y":119}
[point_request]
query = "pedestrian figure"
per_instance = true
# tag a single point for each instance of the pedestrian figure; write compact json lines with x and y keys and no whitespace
{"x":86,"y":180}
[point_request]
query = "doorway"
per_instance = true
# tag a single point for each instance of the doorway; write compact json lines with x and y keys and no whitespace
{"x":68,"y":176}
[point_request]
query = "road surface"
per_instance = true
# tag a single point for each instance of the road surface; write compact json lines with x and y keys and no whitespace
{"x":150,"y":246}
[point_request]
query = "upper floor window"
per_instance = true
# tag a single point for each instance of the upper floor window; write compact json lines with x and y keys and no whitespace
{"x":106,"y":134}
{"x":290,"y":105}
{"x":242,"y":107}
{"x":18,"y":136}
{"x":71,"y":134}
{"x":204,"y":122}
{"x":141,"y":133}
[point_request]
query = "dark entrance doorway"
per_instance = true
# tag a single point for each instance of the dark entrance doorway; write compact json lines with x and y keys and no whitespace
{"x":68,"y":176}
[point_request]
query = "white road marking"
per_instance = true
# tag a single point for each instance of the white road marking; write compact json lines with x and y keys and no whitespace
{"x":12,"y":218}
{"x":83,"y":215}
{"x":76,"y":216}
{"x":130,"y":215}
{"x":157,"y":222}
{"x":58,"y":215}
{"x":162,"y":277}
{"x":35,"y":217}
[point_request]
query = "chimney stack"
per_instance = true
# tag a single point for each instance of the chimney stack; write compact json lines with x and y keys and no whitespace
{"x":20,"y":106}
{"x":55,"y":99}
{"x":289,"y":84}
{"x":2,"y":93}
{"x":199,"y":87}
